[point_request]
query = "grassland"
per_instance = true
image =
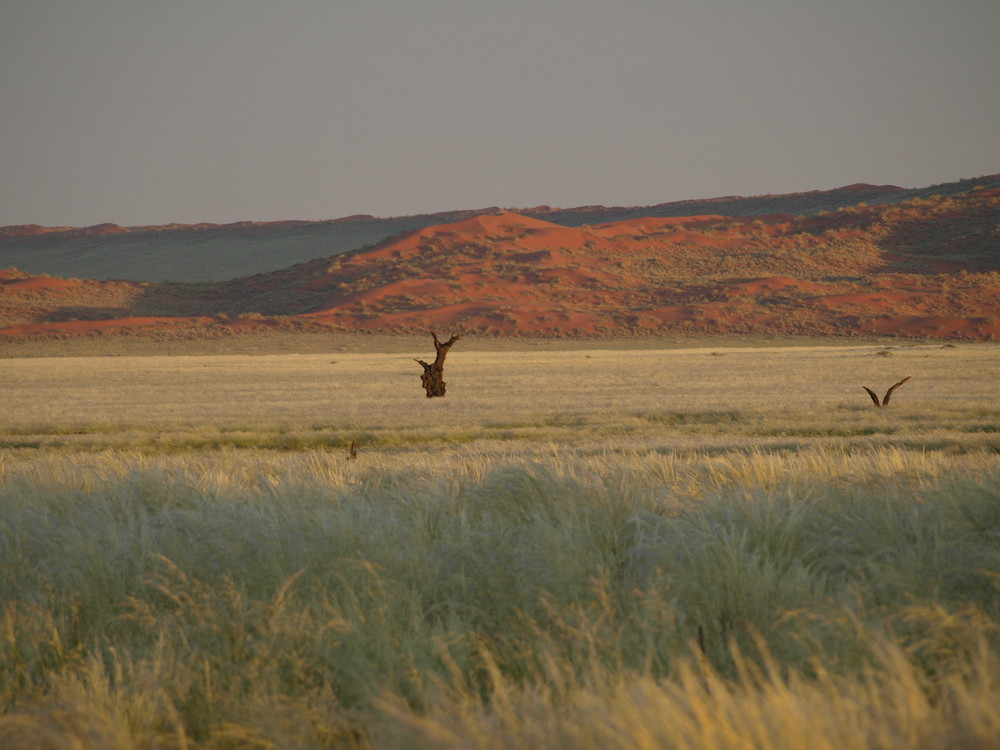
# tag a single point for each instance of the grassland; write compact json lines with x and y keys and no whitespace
{"x":688,"y":548}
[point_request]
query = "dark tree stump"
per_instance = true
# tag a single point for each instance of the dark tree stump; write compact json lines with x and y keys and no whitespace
{"x":433,"y":377}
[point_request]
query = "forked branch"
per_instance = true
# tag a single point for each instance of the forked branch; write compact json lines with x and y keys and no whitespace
{"x":888,"y":393}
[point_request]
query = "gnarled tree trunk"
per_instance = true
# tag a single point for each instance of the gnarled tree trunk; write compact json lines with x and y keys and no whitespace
{"x":433,"y":377}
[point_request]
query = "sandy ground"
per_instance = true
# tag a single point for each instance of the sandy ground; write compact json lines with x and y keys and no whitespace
{"x":278,"y":342}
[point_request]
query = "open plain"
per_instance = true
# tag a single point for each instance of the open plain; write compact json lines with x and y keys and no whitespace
{"x":714,"y":547}
{"x":724,"y":397}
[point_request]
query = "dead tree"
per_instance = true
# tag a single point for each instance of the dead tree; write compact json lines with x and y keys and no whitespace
{"x":433,"y":377}
{"x":888,"y":393}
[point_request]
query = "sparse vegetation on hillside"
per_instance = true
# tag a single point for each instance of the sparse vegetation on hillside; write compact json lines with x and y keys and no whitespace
{"x":923,"y":268}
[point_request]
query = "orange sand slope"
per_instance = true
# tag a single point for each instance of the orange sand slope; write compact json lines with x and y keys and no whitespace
{"x":926,"y":268}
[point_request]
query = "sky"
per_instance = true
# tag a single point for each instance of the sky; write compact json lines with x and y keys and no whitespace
{"x":138,"y":112}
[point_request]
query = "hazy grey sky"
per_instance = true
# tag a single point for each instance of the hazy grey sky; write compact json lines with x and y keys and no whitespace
{"x":144,"y":112}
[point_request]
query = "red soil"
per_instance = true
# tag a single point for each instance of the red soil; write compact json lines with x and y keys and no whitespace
{"x":87,"y":327}
{"x":37,"y":283}
{"x":757,"y":287}
{"x":889,"y":270}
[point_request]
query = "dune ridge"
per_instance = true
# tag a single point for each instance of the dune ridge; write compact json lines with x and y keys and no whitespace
{"x":928,"y":267}
{"x":215,"y":252}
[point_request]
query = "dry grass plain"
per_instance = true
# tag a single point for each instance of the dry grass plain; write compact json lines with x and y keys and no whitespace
{"x":678,"y":399}
{"x":722,"y":547}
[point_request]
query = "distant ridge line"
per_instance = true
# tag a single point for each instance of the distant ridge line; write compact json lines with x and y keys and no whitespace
{"x":215,"y":252}
{"x":743,"y":205}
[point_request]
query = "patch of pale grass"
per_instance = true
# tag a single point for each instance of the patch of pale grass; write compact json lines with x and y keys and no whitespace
{"x":484,"y":596}
{"x":780,"y":397}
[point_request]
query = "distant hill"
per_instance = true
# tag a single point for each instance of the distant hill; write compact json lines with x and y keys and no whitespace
{"x":213,"y":252}
{"x":925,"y":267}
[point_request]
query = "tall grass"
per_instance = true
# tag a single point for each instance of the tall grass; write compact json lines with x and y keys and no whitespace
{"x":492,"y":595}
{"x":687,"y":549}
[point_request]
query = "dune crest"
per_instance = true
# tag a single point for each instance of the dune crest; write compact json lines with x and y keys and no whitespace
{"x":927,"y":268}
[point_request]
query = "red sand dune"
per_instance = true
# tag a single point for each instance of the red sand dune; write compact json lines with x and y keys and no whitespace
{"x":883,"y":270}
{"x":772,"y":284}
{"x":38,"y":283}
{"x":937,"y":327}
{"x":85,"y":327}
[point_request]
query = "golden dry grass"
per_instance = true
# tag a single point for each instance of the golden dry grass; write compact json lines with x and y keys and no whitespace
{"x":682,"y":549}
{"x":677,"y":399}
